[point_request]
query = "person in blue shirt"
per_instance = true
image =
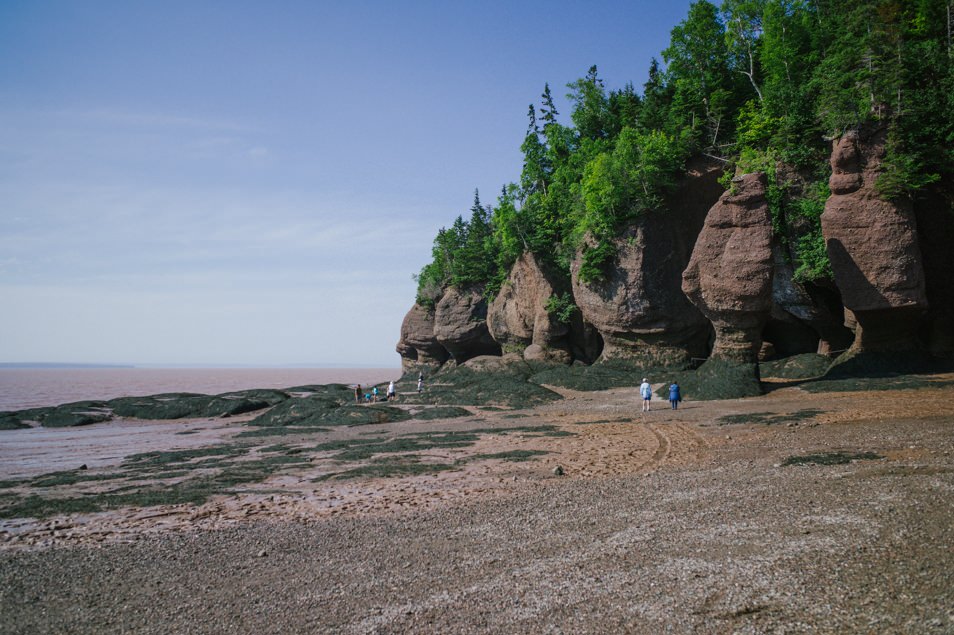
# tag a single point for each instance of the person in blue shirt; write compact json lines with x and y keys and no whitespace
{"x":674,"y":395}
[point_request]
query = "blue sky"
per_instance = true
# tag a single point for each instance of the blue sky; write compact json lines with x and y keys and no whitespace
{"x":256,"y":182}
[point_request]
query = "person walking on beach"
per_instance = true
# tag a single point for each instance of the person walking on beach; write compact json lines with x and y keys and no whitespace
{"x":391,"y":392}
{"x":357,"y":393}
{"x":420,"y":383}
{"x":646,"y":392}
{"x":674,"y":395}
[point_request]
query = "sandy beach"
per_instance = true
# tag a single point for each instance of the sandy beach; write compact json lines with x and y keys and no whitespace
{"x":583,"y":515}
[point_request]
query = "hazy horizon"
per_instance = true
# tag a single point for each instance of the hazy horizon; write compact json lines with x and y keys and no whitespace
{"x":198,"y":365}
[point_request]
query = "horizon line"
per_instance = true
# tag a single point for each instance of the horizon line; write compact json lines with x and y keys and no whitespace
{"x":301,"y":365}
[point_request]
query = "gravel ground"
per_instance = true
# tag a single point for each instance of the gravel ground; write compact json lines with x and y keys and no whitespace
{"x":731,"y":541}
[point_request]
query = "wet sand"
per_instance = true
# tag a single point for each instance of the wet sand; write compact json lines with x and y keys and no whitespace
{"x":664,"y":520}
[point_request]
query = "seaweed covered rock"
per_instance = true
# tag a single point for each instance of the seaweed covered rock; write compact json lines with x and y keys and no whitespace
{"x":519,"y":317}
{"x":68,"y":415}
{"x":507,"y":385}
{"x":638,"y":307}
{"x":602,"y":375}
{"x":418,"y":346}
{"x":716,"y":379}
{"x":191,"y":405}
{"x":332,"y":408}
{"x":729,"y":277}
{"x":873,"y":246}
{"x":805,"y":366}
{"x":460,"y":324}
{"x":74,"y":415}
{"x":13,"y":420}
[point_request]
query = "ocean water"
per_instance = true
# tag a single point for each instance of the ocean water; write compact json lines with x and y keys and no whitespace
{"x":35,"y":387}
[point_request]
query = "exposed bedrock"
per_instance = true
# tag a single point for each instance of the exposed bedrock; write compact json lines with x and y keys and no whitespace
{"x":518,"y":318}
{"x":460,"y":324}
{"x":638,"y":309}
{"x":935,"y":218}
{"x":805,"y":318}
{"x":873,"y":247}
{"x":418,"y":347}
{"x":729,"y":277}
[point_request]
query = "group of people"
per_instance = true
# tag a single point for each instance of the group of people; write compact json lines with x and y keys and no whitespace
{"x":372,"y":395}
{"x":646,"y":392}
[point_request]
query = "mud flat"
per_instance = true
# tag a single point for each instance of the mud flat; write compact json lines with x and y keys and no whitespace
{"x":794,"y":512}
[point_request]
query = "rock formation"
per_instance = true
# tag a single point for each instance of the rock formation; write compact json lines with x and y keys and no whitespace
{"x":518,"y":316}
{"x":639,"y":309}
{"x":418,"y":347}
{"x":873,"y":246}
{"x":935,"y":219}
{"x":460,"y":324}
{"x":729,"y":277}
{"x":804,"y":318}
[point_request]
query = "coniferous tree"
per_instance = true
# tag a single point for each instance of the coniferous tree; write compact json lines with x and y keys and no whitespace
{"x":761,"y":84}
{"x":657,"y":95}
{"x":590,"y":105}
{"x":548,"y":113}
{"x":698,"y":62}
{"x":624,"y":108}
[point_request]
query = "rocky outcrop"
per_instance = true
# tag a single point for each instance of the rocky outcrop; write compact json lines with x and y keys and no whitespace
{"x":638,"y":309}
{"x":729,"y":277}
{"x":805,"y":318}
{"x":873,"y":246}
{"x":418,"y":347}
{"x":460,"y":324}
{"x":518,"y":318}
{"x":935,"y":218}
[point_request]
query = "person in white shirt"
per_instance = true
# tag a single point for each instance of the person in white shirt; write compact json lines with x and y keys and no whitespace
{"x":646,"y":391}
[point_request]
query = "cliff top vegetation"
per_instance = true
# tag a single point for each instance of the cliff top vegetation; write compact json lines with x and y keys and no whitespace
{"x":761,"y":85}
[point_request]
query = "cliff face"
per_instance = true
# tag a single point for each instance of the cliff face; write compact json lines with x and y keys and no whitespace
{"x":418,"y":347}
{"x":460,"y":324}
{"x":935,"y":220}
{"x":709,"y":263}
{"x":729,"y":277}
{"x":873,"y":246}
{"x":639,"y":309}
{"x":804,"y":318}
{"x":518,"y":316}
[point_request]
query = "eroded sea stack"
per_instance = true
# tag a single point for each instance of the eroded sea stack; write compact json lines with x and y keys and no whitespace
{"x":519,"y":318}
{"x":639,"y":308}
{"x":418,"y":346}
{"x":706,"y":278}
{"x":460,"y":324}
{"x":729,"y":277}
{"x":873,"y":246}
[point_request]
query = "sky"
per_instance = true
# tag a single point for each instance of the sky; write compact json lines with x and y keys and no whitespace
{"x":255,"y":183}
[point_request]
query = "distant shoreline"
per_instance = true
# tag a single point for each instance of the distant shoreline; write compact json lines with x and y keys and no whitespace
{"x":23,"y":387}
{"x":302,"y":366}
{"x":35,"y":365}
